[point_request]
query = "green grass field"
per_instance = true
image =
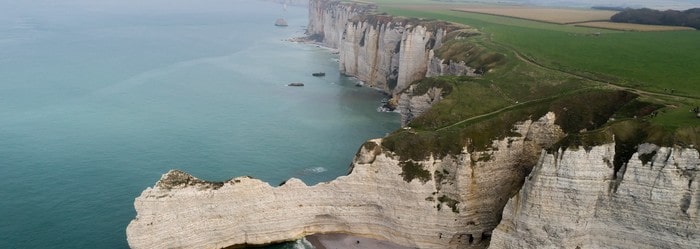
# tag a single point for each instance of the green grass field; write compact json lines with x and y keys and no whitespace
{"x":652,"y":61}
{"x":612,"y":81}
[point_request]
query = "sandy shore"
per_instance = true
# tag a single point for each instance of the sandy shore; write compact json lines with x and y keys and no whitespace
{"x":343,"y":241}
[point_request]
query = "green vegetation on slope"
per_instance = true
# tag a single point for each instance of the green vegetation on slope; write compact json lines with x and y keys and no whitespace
{"x":632,"y":87}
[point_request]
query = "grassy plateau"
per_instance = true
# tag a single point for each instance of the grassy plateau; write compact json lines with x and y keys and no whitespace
{"x":639,"y":86}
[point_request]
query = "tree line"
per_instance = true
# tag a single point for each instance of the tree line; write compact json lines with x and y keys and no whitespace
{"x":687,"y":18}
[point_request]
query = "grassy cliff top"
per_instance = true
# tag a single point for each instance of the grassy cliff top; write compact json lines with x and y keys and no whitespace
{"x":640,"y":86}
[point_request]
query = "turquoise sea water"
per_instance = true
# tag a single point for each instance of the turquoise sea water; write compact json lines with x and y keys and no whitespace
{"x":99,"y":98}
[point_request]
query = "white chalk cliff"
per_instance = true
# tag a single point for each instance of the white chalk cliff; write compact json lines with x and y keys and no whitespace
{"x":328,"y":19}
{"x":388,"y":53}
{"x":412,"y":105}
{"x":384,"y":52}
{"x":449,"y":202}
{"x":573,"y":199}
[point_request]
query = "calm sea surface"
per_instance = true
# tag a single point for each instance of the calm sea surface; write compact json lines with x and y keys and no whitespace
{"x":99,"y":98}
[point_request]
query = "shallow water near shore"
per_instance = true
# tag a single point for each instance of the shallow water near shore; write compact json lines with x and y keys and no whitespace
{"x":97,"y":100}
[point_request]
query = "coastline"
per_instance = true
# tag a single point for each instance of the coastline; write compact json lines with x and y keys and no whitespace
{"x":307,"y":40}
{"x":339,"y":240}
{"x":384,"y":107}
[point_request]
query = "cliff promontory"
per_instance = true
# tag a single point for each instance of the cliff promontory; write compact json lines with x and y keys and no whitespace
{"x":446,"y":202}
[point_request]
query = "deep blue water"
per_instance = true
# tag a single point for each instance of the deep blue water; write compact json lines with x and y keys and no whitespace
{"x":99,"y":98}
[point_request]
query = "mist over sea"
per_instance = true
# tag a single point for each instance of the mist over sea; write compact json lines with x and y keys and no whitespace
{"x":653,"y":4}
{"x":99,"y":98}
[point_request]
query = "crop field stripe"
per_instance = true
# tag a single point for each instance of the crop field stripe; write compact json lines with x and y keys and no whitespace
{"x":506,"y":16}
{"x":631,"y":26}
{"x":547,"y":15}
{"x":630,"y":59}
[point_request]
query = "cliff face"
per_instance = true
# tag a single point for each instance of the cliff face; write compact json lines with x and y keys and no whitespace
{"x":384,"y":52}
{"x":412,"y":105}
{"x":328,"y":19}
{"x":371,"y":53}
{"x":573,"y":199}
{"x":390,"y":54}
{"x":450,"y":202}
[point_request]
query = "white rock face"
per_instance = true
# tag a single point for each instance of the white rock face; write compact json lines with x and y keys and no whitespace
{"x":441,"y":67}
{"x":391,"y":55}
{"x":383,"y":52}
{"x":386,"y":53}
{"x":572,"y":200}
{"x":411,"y":106}
{"x":456,"y":205}
{"x":413,"y":58}
{"x":328,"y":19}
{"x":370,"y":53}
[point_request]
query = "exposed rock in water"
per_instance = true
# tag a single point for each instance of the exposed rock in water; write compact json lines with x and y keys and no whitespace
{"x":449,"y":202}
{"x":281,"y":22}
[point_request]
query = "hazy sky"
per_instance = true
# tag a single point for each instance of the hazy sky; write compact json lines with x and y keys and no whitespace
{"x":656,"y":4}
{"x":8,"y":7}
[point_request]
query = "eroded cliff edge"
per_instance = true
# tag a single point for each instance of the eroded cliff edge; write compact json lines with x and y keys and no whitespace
{"x":572,"y":197}
{"x":447,"y":202}
{"x":575,"y":199}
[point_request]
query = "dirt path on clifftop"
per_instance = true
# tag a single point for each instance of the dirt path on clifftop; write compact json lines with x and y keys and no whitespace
{"x":536,"y":64}
{"x":613,"y":85}
{"x":510,"y":107}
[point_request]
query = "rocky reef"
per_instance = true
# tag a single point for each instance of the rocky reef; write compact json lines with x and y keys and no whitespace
{"x":448,"y":202}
